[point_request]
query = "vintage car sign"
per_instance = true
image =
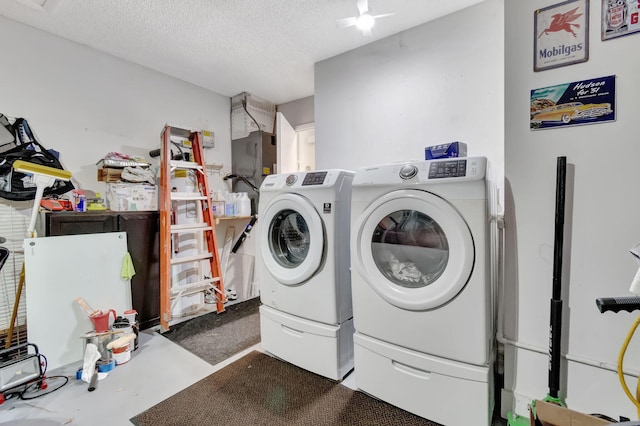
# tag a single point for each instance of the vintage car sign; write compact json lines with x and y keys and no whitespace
{"x":581,"y":102}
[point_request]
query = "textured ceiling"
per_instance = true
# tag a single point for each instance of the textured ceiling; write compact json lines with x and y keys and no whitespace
{"x":265,"y":47}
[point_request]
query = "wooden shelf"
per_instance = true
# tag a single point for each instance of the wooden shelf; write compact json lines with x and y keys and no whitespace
{"x":218,"y":219}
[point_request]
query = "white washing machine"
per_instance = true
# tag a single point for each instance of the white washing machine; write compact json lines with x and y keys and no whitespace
{"x":422,"y":235}
{"x":306,"y":317}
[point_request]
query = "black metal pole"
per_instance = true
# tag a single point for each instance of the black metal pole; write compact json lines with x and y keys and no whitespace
{"x":555,"y":327}
{"x":244,"y":234}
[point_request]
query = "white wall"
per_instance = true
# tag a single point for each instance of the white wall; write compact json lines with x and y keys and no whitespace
{"x":85,"y":103}
{"x":386,"y":101}
{"x":439,"y":82}
{"x":601,"y":223}
{"x":298,"y":112}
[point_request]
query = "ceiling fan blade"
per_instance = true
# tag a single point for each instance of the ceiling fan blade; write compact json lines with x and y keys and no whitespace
{"x":384,"y":15}
{"x":363,"y":7}
{"x":346,"y":22}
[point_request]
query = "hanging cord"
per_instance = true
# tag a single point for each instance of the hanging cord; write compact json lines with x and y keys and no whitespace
{"x":154,"y":153}
{"x":623,"y":349}
{"x":244,"y":106}
{"x":181,"y":155}
{"x":243,"y":179}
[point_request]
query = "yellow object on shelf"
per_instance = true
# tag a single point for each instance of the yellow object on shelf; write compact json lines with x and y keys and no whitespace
{"x":96,"y":206}
{"x":96,"y":203}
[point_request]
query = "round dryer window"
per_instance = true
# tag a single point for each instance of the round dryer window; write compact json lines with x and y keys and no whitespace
{"x":294,"y":235}
{"x":289,"y":238}
{"x":409,"y":248}
{"x":414,"y":249}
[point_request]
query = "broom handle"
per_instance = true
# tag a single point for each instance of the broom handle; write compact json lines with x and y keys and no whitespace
{"x":31,"y":231}
{"x":556,"y":301}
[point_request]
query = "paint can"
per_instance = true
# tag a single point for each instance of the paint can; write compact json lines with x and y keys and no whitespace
{"x":132,"y":316}
{"x":123,"y":324}
{"x":121,"y":355}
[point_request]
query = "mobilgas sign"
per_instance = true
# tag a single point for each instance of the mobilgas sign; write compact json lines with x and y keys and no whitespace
{"x":562,"y":50}
{"x":561,"y":35}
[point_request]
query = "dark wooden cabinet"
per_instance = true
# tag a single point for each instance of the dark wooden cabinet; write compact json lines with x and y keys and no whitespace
{"x":143,"y":243}
{"x":72,"y":223}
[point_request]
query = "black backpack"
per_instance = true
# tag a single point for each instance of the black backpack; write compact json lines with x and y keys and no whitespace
{"x":17,"y":142}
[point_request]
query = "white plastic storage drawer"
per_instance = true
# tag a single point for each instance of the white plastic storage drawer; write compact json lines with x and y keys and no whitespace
{"x":323,"y":349}
{"x":444,"y":391}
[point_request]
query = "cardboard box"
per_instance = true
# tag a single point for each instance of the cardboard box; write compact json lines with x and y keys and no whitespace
{"x":446,"y":150}
{"x":131,"y":197}
{"x":109,"y":175}
{"x":548,"y":414}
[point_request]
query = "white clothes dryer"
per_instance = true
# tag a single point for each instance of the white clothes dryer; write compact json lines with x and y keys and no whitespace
{"x":303,"y":270}
{"x":423,"y":286}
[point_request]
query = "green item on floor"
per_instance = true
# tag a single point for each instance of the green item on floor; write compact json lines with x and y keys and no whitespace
{"x":515,"y":420}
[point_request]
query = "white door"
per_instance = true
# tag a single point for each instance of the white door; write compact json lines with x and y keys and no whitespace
{"x":306,"y":137}
{"x":295,"y":238}
{"x":414,"y":249}
{"x":286,"y":146}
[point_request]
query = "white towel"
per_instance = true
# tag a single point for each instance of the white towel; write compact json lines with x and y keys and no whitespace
{"x":91,"y":356}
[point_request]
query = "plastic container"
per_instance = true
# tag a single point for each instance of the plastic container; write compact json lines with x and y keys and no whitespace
{"x":230,"y":205}
{"x":236,"y":204}
{"x":218,"y":204}
{"x":79,"y":200}
{"x":244,"y":205}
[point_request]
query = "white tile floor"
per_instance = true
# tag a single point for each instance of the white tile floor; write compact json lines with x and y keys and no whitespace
{"x":157,"y":370}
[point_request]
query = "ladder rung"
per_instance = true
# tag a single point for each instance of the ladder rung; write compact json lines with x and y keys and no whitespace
{"x":185,"y":290}
{"x":194,"y":287}
{"x":187,"y":196}
{"x":190,"y":227}
{"x":216,"y":289}
{"x":189,"y":292}
{"x":187,"y":259}
{"x":177,"y":164}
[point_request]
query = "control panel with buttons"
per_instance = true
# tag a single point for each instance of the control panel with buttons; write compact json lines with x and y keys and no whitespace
{"x":314,"y":178}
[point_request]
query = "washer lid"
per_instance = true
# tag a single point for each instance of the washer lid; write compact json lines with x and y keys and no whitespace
{"x":413,"y":249}
{"x":293,"y":239}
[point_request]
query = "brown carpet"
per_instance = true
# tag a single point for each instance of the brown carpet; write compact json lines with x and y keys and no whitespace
{"x":261,"y":390}
{"x":215,"y":337}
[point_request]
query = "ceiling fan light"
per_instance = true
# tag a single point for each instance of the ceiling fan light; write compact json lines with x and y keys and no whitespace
{"x":365,"y":22}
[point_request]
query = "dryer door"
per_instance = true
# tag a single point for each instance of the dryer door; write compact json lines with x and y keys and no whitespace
{"x":414,"y":249}
{"x":293,"y":236}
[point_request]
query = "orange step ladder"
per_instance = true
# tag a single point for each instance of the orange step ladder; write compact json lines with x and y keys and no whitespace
{"x":203,"y":257}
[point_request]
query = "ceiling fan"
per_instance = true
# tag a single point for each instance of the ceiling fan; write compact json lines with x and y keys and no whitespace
{"x":365,"y":19}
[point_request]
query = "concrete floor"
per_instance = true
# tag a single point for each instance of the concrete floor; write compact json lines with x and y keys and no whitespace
{"x":157,"y":370}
